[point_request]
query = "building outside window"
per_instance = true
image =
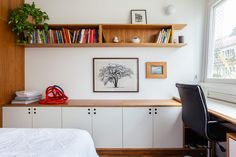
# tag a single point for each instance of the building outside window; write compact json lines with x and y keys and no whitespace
{"x":222,"y":45}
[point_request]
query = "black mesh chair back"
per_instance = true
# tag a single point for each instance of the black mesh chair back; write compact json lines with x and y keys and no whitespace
{"x":194,"y":109}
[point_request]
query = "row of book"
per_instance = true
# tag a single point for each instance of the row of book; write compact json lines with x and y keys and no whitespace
{"x":164,"y":36}
{"x":64,"y":36}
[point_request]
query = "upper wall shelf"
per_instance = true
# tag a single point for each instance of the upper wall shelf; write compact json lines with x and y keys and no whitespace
{"x":104,"y":34}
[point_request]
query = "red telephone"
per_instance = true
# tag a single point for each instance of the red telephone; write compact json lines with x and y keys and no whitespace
{"x":54,"y":95}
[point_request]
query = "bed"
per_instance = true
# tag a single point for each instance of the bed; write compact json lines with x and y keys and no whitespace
{"x":46,"y":143}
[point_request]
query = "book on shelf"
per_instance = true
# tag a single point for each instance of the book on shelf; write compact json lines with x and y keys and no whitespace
{"x":64,"y":36}
{"x":164,"y":36}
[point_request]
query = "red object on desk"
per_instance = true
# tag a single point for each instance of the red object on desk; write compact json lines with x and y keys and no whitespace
{"x":54,"y":95}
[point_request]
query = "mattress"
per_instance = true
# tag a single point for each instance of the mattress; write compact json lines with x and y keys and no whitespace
{"x":46,"y":143}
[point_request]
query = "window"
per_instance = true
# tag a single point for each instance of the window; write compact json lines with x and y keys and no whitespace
{"x":222,"y":42}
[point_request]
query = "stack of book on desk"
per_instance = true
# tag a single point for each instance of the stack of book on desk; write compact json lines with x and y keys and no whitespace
{"x":26,"y":97}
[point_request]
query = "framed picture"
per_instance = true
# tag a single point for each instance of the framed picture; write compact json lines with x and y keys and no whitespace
{"x":156,"y":70}
{"x":138,"y":17}
{"x":115,"y":74}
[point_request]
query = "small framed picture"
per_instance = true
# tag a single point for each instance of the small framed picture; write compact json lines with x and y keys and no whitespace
{"x":115,"y":75}
{"x":139,"y":16}
{"x":156,"y":70}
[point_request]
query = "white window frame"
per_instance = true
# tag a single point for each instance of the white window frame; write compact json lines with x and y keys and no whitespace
{"x":209,"y":44}
{"x":220,"y":89}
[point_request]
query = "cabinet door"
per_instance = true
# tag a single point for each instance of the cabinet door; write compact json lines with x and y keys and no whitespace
{"x":137,"y":127}
{"x":168,"y":127}
{"x":17,"y":117}
{"x":77,"y":117}
{"x":107,"y":127}
{"x":232,"y":148}
{"x":46,"y":117}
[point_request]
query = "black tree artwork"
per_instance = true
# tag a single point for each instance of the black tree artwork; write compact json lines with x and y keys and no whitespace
{"x":113,"y":72}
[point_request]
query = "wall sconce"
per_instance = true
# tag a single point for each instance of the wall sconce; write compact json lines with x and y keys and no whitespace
{"x":170,"y":9}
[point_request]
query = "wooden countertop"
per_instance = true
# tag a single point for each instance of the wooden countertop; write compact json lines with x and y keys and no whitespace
{"x":106,"y":103}
{"x":222,"y":110}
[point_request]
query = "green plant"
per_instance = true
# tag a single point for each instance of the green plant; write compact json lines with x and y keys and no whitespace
{"x":25,"y":19}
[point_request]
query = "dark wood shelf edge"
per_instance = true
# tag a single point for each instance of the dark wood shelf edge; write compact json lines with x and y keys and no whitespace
{"x":170,"y":45}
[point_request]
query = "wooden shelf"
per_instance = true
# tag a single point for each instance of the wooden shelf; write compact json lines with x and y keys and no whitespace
{"x":125,"y":32}
{"x":169,"y":45}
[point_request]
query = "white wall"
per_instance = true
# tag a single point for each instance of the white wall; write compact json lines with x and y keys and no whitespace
{"x":71,"y":68}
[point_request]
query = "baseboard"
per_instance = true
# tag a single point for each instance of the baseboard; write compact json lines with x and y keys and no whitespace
{"x":146,"y":152}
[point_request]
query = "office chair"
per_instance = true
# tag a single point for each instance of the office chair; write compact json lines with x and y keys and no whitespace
{"x":196,"y":116}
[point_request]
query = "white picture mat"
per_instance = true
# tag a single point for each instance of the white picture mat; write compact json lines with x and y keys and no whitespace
{"x":140,"y":12}
{"x":125,"y":83}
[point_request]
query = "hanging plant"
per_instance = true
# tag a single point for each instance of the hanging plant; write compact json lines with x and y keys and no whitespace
{"x":25,"y":19}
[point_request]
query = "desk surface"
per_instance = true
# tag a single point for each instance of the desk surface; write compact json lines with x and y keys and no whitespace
{"x":107,"y":103}
{"x":222,"y":110}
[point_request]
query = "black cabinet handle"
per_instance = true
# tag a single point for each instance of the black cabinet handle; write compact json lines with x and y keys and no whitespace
{"x":35,"y":109}
{"x":150,"y":112}
{"x":29,"y":109}
{"x":155,"y":109}
{"x":155,"y":112}
{"x":34,"y":112}
{"x":94,"y":112}
{"x":89,"y":109}
{"x":94,"y":109}
{"x":28,"y":112}
{"x":150,"y":109}
{"x":88,"y":112}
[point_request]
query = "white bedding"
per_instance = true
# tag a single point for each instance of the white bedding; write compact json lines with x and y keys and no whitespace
{"x":46,"y":143}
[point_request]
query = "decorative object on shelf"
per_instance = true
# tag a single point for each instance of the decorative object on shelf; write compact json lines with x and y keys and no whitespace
{"x":170,"y":10}
{"x":139,"y":16}
{"x":54,"y":95}
{"x":115,"y":75}
{"x":174,"y":41}
{"x":181,"y":39}
{"x":156,"y":70}
{"x":116,"y":39}
{"x":135,"y":39}
{"x":25,"y":19}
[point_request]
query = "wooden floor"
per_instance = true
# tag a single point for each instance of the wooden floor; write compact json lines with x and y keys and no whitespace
{"x":151,"y":153}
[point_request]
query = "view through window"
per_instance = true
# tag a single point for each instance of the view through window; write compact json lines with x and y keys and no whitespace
{"x":222,"y":58}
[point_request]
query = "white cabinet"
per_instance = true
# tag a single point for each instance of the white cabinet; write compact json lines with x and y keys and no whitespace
{"x":103,"y":123}
{"x":137,"y":127}
{"x":232,"y":148}
{"x":46,"y":117}
{"x":17,"y":117}
{"x":110,"y":127}
{"x":168,"y":127}
{"x":77,"y":117}
{"x":28,"y":117}
{"x":107,"y":127}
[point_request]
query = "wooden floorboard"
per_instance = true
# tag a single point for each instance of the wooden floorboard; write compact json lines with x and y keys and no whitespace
{"x":151,"y":152}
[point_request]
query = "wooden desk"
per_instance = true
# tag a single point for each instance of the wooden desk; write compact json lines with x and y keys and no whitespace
{"x":222,"y":110}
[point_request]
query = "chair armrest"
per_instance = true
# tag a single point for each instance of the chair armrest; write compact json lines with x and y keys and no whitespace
{"x":217,"y":121}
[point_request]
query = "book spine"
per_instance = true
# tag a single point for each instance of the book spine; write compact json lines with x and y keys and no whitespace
{"x":82,"y":36}
{"x":64,"y":35}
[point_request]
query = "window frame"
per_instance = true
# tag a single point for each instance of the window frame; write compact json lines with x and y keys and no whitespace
{"x":210,"y":44}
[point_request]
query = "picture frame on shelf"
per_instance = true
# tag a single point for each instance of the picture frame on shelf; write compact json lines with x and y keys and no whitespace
{"x":156,"y":70}
{"x":138,"y":16}
{"x":115,"y":75}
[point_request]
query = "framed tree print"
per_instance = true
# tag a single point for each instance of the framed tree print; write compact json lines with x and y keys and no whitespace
{"x":115,"y":74}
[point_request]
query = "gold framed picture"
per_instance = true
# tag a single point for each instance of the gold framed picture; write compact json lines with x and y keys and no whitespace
{"x":156,"y":70}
